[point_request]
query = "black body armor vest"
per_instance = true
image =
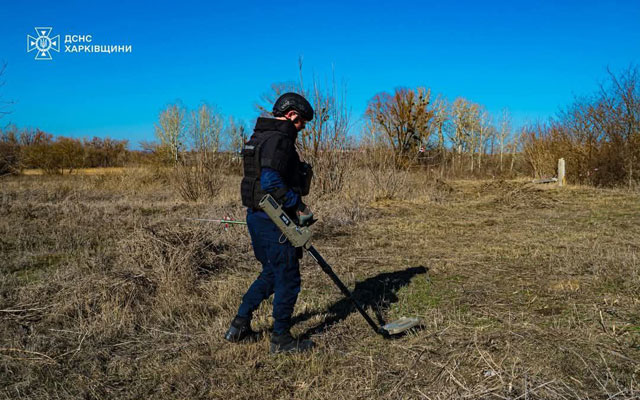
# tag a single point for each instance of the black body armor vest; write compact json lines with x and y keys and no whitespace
{"x":272,"y":145}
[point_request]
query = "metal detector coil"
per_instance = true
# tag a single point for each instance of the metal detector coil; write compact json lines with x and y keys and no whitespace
{"x":401,"y":325}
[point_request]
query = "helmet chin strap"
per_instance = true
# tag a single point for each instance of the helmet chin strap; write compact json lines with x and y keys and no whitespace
{"x":293,"y":120}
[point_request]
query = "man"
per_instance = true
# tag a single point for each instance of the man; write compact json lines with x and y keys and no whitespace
{"x":272,"y":165}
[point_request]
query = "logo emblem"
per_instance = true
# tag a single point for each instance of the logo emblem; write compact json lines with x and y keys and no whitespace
{"x":285,"y":219}
{"x":43,"y":44}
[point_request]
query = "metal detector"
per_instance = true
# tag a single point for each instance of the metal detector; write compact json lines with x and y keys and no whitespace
{"x":300,"y":236}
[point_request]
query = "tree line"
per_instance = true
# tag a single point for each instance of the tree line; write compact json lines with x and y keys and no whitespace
{"x":32,"y":148}
{"x":598,"y":135}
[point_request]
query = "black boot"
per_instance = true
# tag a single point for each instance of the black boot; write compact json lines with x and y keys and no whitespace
{"x":239,"y":330}
{"x":285,"y":343}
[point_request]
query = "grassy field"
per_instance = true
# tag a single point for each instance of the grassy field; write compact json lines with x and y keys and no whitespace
{"x":525,"y":292}
{"x":79,"y":171}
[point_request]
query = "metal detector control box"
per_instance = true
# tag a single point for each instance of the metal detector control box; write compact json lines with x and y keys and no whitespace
{"x":299,"y":236}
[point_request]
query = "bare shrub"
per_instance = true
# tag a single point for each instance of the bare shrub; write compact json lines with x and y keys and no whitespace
{"x":197,"y":181}
{"x":9,"y":151}
{"x":436,"y":190}
{"x":329,"y":170}
{"x":377,"y":174}
{"x":538,"y":149}
{"x":177,"y":255}
{"x":339,"y":216}
{"x":598,"y":136}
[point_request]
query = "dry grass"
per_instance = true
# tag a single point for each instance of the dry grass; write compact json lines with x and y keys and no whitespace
{"x":527,"y":292}
{"x":80,"y":171}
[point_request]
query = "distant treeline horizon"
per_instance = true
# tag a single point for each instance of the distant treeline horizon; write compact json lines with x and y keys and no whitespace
{"x":598,"y":135}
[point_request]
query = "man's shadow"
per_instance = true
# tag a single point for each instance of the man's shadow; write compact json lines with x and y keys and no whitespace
{"x":376,"y":294}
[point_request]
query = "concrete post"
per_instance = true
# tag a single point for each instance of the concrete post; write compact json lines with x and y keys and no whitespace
{"x":561,"y":179}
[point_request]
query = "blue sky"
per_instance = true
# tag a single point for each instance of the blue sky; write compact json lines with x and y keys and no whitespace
{"x":531,"y":57}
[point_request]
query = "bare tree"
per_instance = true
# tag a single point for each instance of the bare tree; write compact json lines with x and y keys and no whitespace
{"x":236,"y":133}
{"x":171,"y":129}
{"x":465,"y":120}
{"x":196,"y":174}
{"x":205,"y":128}
{"x":440,"y":118}
{"x":485,"y":132}
{"x":621,"y":110}
{"x":514,"y":145}
{"x":267,"y":99}
{"x":69,"y":152}
{"x":4,"y":105}
{"x":403,"y":118}
{"x":504,"y":133}
{"x":324,"y":140}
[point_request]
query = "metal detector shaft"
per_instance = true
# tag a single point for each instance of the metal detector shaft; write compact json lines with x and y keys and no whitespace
{"x":329,"y":271}
{"x":300,"y":236}
{"x":220,"y":221}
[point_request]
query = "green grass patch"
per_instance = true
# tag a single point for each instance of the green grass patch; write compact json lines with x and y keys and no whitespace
{"x":420,"y":296}
{"x":38,"y":266}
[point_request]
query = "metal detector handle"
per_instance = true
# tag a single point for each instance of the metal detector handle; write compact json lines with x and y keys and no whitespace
{"x":299,"y":236}
{"x":329,"y":271}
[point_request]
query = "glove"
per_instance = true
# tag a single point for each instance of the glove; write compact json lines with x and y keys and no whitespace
{"x":305,"y":216}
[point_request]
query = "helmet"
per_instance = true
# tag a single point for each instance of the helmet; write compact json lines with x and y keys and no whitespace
{"x":293,"y":101}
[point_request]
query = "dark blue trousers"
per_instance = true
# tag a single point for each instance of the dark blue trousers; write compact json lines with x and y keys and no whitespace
{"x":280,"y":272}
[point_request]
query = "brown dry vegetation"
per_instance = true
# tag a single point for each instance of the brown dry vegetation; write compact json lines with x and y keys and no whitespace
{"x":525,"y":292}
